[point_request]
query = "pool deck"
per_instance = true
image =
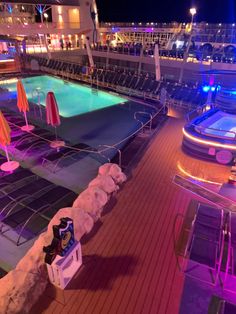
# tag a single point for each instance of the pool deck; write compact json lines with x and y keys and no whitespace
{"x":129,"y":264}
{"x":95,"y":129}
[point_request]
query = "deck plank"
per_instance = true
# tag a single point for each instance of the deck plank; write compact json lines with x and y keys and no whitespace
{"x":132,"y":267}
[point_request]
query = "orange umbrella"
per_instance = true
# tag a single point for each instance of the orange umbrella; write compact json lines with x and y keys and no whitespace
{"x":5,"y":131}
{"x":53,"y":117}
{"x":23,"y":105}
{"x":5,"y":139}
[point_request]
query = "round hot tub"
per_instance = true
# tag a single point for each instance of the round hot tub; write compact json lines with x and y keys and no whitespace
{"x":211,"y":136}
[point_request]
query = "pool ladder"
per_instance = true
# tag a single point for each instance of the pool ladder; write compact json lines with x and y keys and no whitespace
{"x":94,"y":90}
{"x":144,"y":125}
{"x":36,"y":93}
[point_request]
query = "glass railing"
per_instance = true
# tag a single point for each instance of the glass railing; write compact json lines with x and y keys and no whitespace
{"x":201,"y":26}
{"x":195,"y":56}
{"x":140,"y":24}
{"x":27,"y":24}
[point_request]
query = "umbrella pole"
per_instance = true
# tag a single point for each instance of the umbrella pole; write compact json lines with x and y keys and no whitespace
{"x":27,"y":127}
{"x":6,"y":151}
{"x":40,"y":110}
{"x":9,"y":166}
{"x":26,"y":120}
{"x":56,"y":132}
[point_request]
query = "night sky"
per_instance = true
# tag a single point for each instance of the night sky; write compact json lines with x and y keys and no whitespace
{"x":166,"y":10}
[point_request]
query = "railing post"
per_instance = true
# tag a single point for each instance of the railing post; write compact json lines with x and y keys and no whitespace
{"x":117,"y":149}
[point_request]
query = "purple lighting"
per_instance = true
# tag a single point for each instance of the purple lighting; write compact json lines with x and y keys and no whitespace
{"x":149,"y":30}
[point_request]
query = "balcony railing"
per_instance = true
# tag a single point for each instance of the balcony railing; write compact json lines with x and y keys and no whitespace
{"x":33,"y":26}
{"x":156,"y":25}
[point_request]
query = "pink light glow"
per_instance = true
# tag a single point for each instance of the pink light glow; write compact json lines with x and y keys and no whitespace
{"x":9,"y":166}
{"x":188,"y":174}
{"x":210,"y":143}
{"x":211,"y":81}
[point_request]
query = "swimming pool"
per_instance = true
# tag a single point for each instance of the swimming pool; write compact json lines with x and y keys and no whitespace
{"x":73,"y":99}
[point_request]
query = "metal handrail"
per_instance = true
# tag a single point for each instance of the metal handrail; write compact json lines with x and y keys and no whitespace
{"x":139,"y":121}
{"x":147,"y":113}
{"x":197,"y":111}
{"x":38,"y":95}
{"x":187,"y":117}
{"x":138,"y":130}
{"x":117,"y":149}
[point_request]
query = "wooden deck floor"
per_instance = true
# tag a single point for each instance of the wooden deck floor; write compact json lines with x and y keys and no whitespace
{"x":129,"y":265}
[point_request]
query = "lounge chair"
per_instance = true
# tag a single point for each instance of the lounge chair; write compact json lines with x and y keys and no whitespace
{"x":221,"y":306}
{"x":204,"y":250}
{"x":34,"y":141}
{"x":25,"y":137}
{"x":14,"y":180}
{"x":56,"y":157}
{"x":23,"y":193}
{"x":34,"y":217}
{"x":230,"y":273}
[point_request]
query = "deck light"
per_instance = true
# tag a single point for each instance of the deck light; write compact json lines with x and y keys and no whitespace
{"x":188,"y":174}
{"x":193,"y":12}
{"x":210,"y":143}
{"x":206,"y":88}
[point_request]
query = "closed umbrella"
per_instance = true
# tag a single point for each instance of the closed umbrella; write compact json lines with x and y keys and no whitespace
{"x":5,"y":139}
{"x":53,"y":117}
{"x":23,"y":105}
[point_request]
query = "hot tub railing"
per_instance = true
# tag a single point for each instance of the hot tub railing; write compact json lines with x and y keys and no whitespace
{"x":202,"y":130}
{"x":142,"y":123}
{"x":198,"y":111}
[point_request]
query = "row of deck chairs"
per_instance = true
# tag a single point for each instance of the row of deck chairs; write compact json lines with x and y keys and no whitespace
{"x":204,"y":250}
{"x":210,"y":252}
{"x":35,"y":145}
{"x":58,"y":66}
{"x":126,"y":82}
{"x":147,"y":86}
{"x":27,"y":204}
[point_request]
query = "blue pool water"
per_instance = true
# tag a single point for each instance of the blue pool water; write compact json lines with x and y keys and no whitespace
{"x":220,"y":124}
{"x":73,"y":99}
